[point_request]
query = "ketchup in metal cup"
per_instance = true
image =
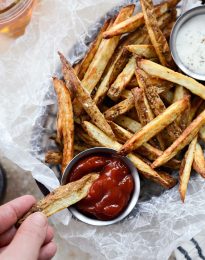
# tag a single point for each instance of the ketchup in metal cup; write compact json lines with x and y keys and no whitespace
{"x":111,"y":192}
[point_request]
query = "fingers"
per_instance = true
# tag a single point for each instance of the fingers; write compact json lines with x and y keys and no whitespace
{"x":7,"y":236}
{"x":47,"y":251}
{"x":13,"y":210}
{"x":49,"y":235}
{"x":29,"y":238}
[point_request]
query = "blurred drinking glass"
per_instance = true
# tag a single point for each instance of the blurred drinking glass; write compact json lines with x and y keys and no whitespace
{"x":15,"y":16}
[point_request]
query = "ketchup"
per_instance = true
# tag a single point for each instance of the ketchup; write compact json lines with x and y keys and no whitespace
{"x":110,"y":193}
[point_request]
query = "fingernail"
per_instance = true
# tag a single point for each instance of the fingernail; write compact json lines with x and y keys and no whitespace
{"x":39,"y":219}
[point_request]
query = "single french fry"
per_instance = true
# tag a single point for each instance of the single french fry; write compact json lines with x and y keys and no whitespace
{"x":199,"y":161}
{"x":146,"y":149}
{"x":66,"y":125}
{"x":53,"y":157}
{"x":126,"y":94}
{"x":136,"y":21}
{"x":122,"y":80}
{"x":119,"y":109}
{"x":88,"y":104}
{"x":63,"y":197}
{"x":185,"y":169}
{"x":92,"y":51}
{"x":195,"y":104}
{"x":80,"y":133}
{"x":106,"y":141}
{"x":146,"y":51}
{"x":202,"y":133}
{"x":155,"y":126}
{"x":156,"y":36}
{"x":185,"y":138}
{"x":157,"y":70}
{"x":128,"y":123}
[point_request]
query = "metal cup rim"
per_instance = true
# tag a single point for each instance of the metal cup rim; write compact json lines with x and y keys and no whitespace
{"x":133,"y":199}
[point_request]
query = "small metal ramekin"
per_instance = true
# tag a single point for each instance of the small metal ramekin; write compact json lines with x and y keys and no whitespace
{"x":180,"y":21}
{"x":135,"y":195}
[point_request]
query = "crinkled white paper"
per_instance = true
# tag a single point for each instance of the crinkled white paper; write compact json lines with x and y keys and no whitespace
{"x":158,"y":223}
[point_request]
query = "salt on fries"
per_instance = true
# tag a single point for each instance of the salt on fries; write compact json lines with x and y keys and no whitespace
{"x":126,"y":94}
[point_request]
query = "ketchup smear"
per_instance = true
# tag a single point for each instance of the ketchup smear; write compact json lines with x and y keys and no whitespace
{"x":110,"y":193}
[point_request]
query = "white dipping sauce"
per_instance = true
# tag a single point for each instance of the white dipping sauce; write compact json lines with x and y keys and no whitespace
{"x":190,"y":44}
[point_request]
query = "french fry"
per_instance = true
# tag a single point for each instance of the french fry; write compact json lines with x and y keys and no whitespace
{"x":155,"y":126}
{"x":119,"y":109}
{"x":199,"y":161}
{"x":202,"y":133}
{"x":179,"y":93}
{"x":158,"y":107}
{"x":157,"y":70}
{"x":195,"y":104}
{"x":136,"y":21}
{"x":146,"y":51}
{"x":146,"y":149}
{"x":122,"y":80}
{"x":185,"y":169}
{"x":106,"y":141}
{"x":65,"y":124}
{"x":88,"y":104}
{"x":128,"y":123}
{"x":80,"y":133}
{"x":143,"y":109}
{"x":156,"y":36}
{"x":62,"y":197}
{"x":167,"y":96}
{"x":126,"y":94}
{"x":185,"y":138}
{"x":92,"y":51}
{"x":53,"y":157}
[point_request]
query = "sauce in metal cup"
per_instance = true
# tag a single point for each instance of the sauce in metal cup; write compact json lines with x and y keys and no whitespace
{"x":187,"y":42}
{"x":133,"y":199}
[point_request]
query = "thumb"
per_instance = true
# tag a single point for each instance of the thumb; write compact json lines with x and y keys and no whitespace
{"x":29,"y":238}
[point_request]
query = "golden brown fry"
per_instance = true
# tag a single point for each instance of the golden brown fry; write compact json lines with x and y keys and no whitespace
{"x":80,"y":133}
{"x":106,"y":141}
{"x":146,"y":51}
{"x":144,"y":112}
{"x":202,"y":133}
{"x":143,"y":109}
{"x":155,"y":126}
{"x":195,"y":104}
{"x":126,"y":94}
{"x":65,"y":124}
{"x":156,"y":36}
{"x":146,"y":149}
{"x":185,"y":169}
{"x":157,"y":70}
{"x":122,"y":80}
{"x":53,"y":157}
{"x":119,"y":109}
{"x":158,"y":107}
{"x":92,"y":51}
{"x":128,"y":123}
{"x":199,"y":161}
{"x":189,"y":133}
{"x":135,"y":21}
{"x":88,"y":104}
{"x":63,"y":197}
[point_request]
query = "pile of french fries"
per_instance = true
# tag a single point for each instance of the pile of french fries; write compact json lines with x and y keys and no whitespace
{"x":127,"y":94}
